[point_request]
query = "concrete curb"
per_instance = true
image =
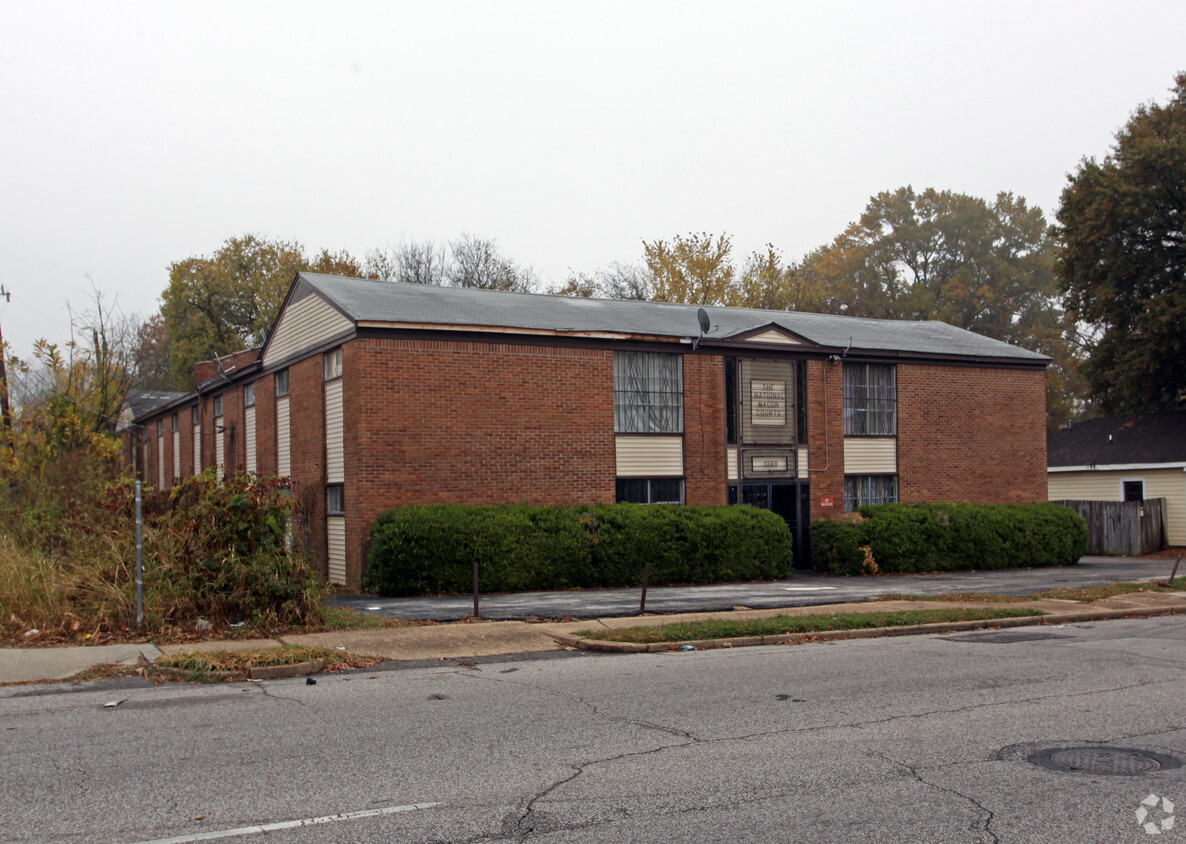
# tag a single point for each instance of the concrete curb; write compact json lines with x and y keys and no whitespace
{"x":863,"y":633}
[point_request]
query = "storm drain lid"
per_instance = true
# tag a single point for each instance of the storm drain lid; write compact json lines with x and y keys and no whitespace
{"x":1110,"y":761}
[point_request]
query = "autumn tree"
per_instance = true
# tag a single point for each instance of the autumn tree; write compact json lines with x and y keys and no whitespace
{"x":1122,"y":261}
{"x":229,"y":300}
{"x":694,"y":269}
{"x":986,"y":267}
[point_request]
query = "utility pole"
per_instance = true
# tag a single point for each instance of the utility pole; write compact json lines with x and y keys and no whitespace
{"x":5,"y":415}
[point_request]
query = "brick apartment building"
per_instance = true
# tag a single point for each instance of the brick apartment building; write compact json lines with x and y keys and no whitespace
{"x":371,"y":394}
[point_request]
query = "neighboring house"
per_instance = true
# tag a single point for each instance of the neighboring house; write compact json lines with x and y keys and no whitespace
{"x":135,"y":441}
{"x":1123,"y":458}
{"x":371,"y":394}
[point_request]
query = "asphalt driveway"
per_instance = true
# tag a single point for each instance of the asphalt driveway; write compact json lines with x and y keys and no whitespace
{"x":800,"y":590}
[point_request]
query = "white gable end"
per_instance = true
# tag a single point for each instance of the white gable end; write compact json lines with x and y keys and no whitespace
{"x":304,"y":324}
{"x":773,"y":336}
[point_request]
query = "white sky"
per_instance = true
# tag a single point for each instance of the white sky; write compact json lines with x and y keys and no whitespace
{"x":133,"y":135}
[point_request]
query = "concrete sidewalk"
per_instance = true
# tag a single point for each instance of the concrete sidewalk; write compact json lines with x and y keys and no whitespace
{"x":494,"y":638}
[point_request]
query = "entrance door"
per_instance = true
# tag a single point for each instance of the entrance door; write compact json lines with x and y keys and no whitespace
{"x":791,"y":500}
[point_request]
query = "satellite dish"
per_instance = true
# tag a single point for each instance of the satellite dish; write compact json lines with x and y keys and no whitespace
{"x":705,"y":326}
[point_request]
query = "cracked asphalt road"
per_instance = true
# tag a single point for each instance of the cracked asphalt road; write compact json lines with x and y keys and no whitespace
{"x":912,"y":739}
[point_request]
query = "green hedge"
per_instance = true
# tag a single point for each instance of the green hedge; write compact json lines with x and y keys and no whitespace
{"x":950,"y":537}
{"x":430,"y":549}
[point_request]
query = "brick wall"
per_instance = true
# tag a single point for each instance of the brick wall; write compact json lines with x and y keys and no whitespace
{"x":974,"y":434}
{"x":480,"y":423}
{"x":705,"y":477}
{"x":265,"y":425}
{"x":825,"y":430}
{"x":185,"y":424}
{"x":306,"y":387}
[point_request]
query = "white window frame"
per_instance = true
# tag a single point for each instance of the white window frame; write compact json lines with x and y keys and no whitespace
{"x":864,"y":411}
{"x":647,"y":397}
{"x":1142,"y":481}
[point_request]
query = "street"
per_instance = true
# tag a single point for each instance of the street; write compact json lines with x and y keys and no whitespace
{"x":907,"y":739}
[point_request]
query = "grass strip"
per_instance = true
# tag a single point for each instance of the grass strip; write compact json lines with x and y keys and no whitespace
{"x":245,"y":660}
{"x":1111,"y":590}
{"x":727,"y":628}
{"x":961,"y":597}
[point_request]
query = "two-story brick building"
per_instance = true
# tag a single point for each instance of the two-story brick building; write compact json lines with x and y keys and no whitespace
{"x":371,"y":394}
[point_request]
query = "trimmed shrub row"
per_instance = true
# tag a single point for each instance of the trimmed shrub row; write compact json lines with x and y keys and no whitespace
{"x":430,"y":549}
{"x":950,"y":537}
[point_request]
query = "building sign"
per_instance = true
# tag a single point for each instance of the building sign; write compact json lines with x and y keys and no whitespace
{"x":768,"y":402}
{"x":769,"y":463}
{"x":827,"y":502}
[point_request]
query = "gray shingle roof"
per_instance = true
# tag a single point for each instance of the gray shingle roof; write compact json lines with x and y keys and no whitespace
{"x":383,"y":301}
{"x":1157,"y":437}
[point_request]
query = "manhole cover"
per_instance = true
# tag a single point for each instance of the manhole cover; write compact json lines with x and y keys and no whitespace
{"x":1110,"y":761}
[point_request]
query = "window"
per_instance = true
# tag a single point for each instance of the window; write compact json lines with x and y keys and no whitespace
{"x":1133,"y":490}
{"x":282,"y":382}
{"x":801,"y":400}
{"x":648,"y":393}
{"x":731,"y":401}
{"x":860,"y":490}
{"x":195,"y":414}
{"x":249,"y":395}
{"x":218,"y":405}
{"x":333,"y":364}
{"x":335,"y":499}
{"x":651,"y":490}
{"x":173,"y":422}
{"x":870,"y":400}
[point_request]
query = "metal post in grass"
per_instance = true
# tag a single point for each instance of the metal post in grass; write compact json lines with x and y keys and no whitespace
{"x":646,"y":576}
{"x":1174,"y":573}
{"x":477,"y":613}
{"x":139,"y":561}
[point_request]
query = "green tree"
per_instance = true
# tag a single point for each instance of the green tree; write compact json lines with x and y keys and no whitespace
{"x":1122,"y":230}
{"x":986,"y":267}
{"x":228,"y":301}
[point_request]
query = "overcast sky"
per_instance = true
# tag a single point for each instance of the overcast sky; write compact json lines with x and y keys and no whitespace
{"x":133,"y":135}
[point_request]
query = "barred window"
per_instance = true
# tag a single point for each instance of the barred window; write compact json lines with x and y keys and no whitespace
{"x":870,"y":400}
{"x":651,"y":490}
{"x":648,"y":393}
{"x":860,"y":490}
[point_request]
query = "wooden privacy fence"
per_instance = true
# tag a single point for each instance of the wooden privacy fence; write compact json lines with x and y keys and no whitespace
{"x":1127,"y":528}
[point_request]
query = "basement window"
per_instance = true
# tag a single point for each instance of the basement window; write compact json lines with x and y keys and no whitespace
{"x":650,"y":490}
{"x":862,"y":490}
{"x":335,"y":500}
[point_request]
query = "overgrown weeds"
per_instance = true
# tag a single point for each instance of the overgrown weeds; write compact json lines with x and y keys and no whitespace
{"x":212,"y":550}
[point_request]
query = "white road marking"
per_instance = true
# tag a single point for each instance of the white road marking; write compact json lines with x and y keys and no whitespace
{"x":808,"y":588}
{"x":272,"y":827}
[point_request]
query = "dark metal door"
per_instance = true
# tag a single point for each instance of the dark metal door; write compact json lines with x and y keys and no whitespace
{"x":791,"y":500}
